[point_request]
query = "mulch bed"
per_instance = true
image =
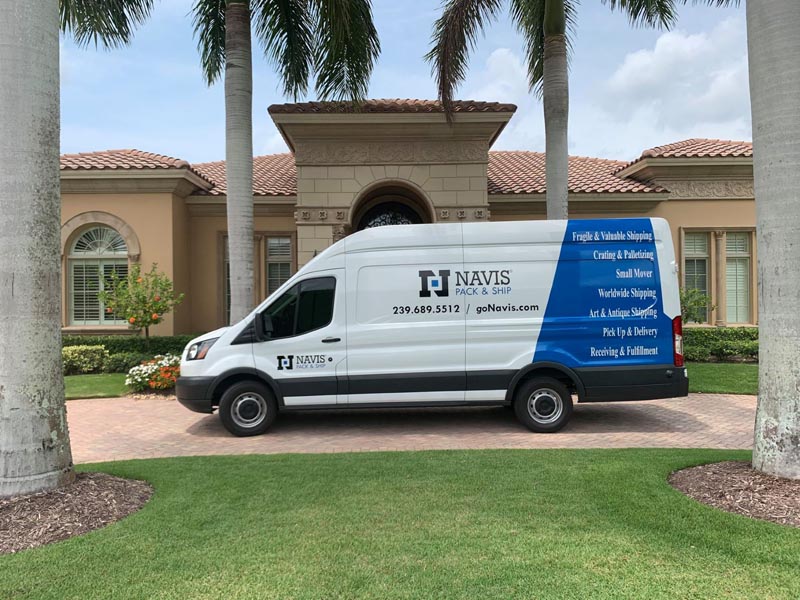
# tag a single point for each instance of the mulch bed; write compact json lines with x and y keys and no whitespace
{"x":93,"y":501}
{"x":738,"y":488}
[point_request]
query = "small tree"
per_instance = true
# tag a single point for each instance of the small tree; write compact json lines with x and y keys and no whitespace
{"x":141,"y":298}
{"x":695,"y":305}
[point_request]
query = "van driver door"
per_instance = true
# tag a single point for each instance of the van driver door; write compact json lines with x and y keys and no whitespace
{"x":307,"y":342}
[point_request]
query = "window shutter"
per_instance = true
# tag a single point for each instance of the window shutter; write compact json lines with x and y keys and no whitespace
{"x":85,"y":287}
{"x":695,"y":244}
{"x":738,"y":290}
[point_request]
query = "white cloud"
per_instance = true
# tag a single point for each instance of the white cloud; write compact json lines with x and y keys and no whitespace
{"x":687,"y":85}
{"x":504,"y":78}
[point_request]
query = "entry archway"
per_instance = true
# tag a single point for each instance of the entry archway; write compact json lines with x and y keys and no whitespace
{"x":390,"y":204}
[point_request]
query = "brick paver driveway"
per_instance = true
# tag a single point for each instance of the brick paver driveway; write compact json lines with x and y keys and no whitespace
{"x":121,"y":428}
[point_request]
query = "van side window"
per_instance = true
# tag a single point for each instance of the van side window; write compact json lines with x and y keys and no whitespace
{"x":316,"y":304}
{"x":303,"y":307}
{"x":283,"y":312}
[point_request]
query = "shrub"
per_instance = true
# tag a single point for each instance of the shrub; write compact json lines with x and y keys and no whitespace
{"x":158,"y":373}
{"x":695,"y":305}
{"x":122,"y":362}
{"x":117,"y":344}
{"x":78,"y":360}
{"x":720,"y":343}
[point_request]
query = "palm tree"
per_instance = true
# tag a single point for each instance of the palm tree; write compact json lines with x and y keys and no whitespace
{"x":546,"y":26}
{"x":335,"y":40}
{"x":774,"y":56}
{"x":34,"y":443}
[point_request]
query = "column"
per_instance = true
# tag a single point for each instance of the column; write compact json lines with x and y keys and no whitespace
{"x":720,"y":269}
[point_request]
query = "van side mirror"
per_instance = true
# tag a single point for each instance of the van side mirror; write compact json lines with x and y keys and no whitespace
{"x":264,"y":327}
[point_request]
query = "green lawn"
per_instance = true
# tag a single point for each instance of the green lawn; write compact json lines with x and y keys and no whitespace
{"x":466,"y":524}
{"x":723,"y":378}
{"x":106,"y":385}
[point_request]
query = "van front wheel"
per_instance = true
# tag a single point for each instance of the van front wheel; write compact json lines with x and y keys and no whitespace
{"x":247,"y":408}
{"x":543,"y":404}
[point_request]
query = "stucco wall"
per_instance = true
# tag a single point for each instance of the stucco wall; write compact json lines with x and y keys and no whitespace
{"x":150,"y":216}
{"x":206,"y":235}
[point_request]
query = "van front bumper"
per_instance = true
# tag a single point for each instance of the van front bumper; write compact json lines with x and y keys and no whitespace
{"x":195,"y":393}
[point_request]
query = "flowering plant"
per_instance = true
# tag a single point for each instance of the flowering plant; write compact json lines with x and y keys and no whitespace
{"x":159,"y":373}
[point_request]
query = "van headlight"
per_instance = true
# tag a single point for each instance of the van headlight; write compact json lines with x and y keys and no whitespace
{"x":198,"y":350}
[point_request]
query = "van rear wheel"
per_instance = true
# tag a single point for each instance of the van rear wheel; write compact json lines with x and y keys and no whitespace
{"x":247,"y":408}
{"x":543,"y":404}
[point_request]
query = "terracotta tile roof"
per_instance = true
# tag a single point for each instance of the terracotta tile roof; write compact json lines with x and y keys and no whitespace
{"x":696,"y":147}
{"x":121,"y":160}
{"x":390,"y":105}
{"x":524,"y":173}
{"x":273,"y":175}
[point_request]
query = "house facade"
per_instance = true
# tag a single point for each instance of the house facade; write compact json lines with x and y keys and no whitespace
{"x":391,"y":161}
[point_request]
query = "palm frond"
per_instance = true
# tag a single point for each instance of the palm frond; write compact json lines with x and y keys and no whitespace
{"x":649,"y":13}
{"x":107,"y":22}
{"x":209,"y":29}
{"x":454,"y":36}
{"x":346,"y":47}
{"x":529,"y":19}
{"x":720,"y":3}
{"x":285,"y":29}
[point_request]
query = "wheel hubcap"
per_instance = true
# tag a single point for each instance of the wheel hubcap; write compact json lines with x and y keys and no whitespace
{"x":545,"y":406}
{"x":249,"y":410}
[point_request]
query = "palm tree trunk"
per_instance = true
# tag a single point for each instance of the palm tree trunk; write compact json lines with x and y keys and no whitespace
{"x":34,"y":443}
{"x":555,"y":92}
{"x":239,"y":155}
{"x":774,"y":54}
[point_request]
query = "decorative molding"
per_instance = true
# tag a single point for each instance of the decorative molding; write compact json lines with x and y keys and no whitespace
{"x":480,"y":213}
{"x":341,"y":215}
{"x":96,"y":217}
{"x":444,"y":214}
{"x":339,"y":232}
{"x":711,"y":189}
{"x":369,"y":153}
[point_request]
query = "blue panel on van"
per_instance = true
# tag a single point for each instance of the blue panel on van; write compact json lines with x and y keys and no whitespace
{"x":605,"y":306}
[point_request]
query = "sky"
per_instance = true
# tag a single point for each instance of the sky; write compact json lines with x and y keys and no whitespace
{"x":630,"y":88}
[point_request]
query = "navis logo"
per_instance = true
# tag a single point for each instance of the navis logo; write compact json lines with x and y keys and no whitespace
{"x":302,"y":361}
{"x":440,"y":284}
{"x":429,"y":281}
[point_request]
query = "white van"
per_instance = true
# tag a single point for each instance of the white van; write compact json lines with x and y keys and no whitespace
{"x":526,"y":314}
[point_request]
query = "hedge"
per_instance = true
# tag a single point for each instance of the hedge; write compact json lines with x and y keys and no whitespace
{"x":122,"y":362}
{"x":119,"y":344}
{"x":83,"y":359}
{"x":702,"y":344}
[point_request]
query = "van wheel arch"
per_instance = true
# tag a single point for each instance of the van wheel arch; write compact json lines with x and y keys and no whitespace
{"x":547,"y":369}
{"x":229,"y":378}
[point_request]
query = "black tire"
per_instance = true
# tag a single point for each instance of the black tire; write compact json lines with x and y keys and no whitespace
{"x":248,"y":408}
{"x":543,"y":404}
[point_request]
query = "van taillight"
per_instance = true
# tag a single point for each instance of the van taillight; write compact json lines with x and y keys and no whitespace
{"x":677,"y":341}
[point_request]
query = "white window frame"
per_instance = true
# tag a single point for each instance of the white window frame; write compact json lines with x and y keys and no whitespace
{"x":111,"y":252}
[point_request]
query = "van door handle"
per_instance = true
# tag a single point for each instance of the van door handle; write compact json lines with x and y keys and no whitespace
{"x":330,"y":340}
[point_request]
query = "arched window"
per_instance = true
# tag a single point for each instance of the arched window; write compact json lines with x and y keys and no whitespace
{"x":97,"y":253}
{"x":389,"y":213}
